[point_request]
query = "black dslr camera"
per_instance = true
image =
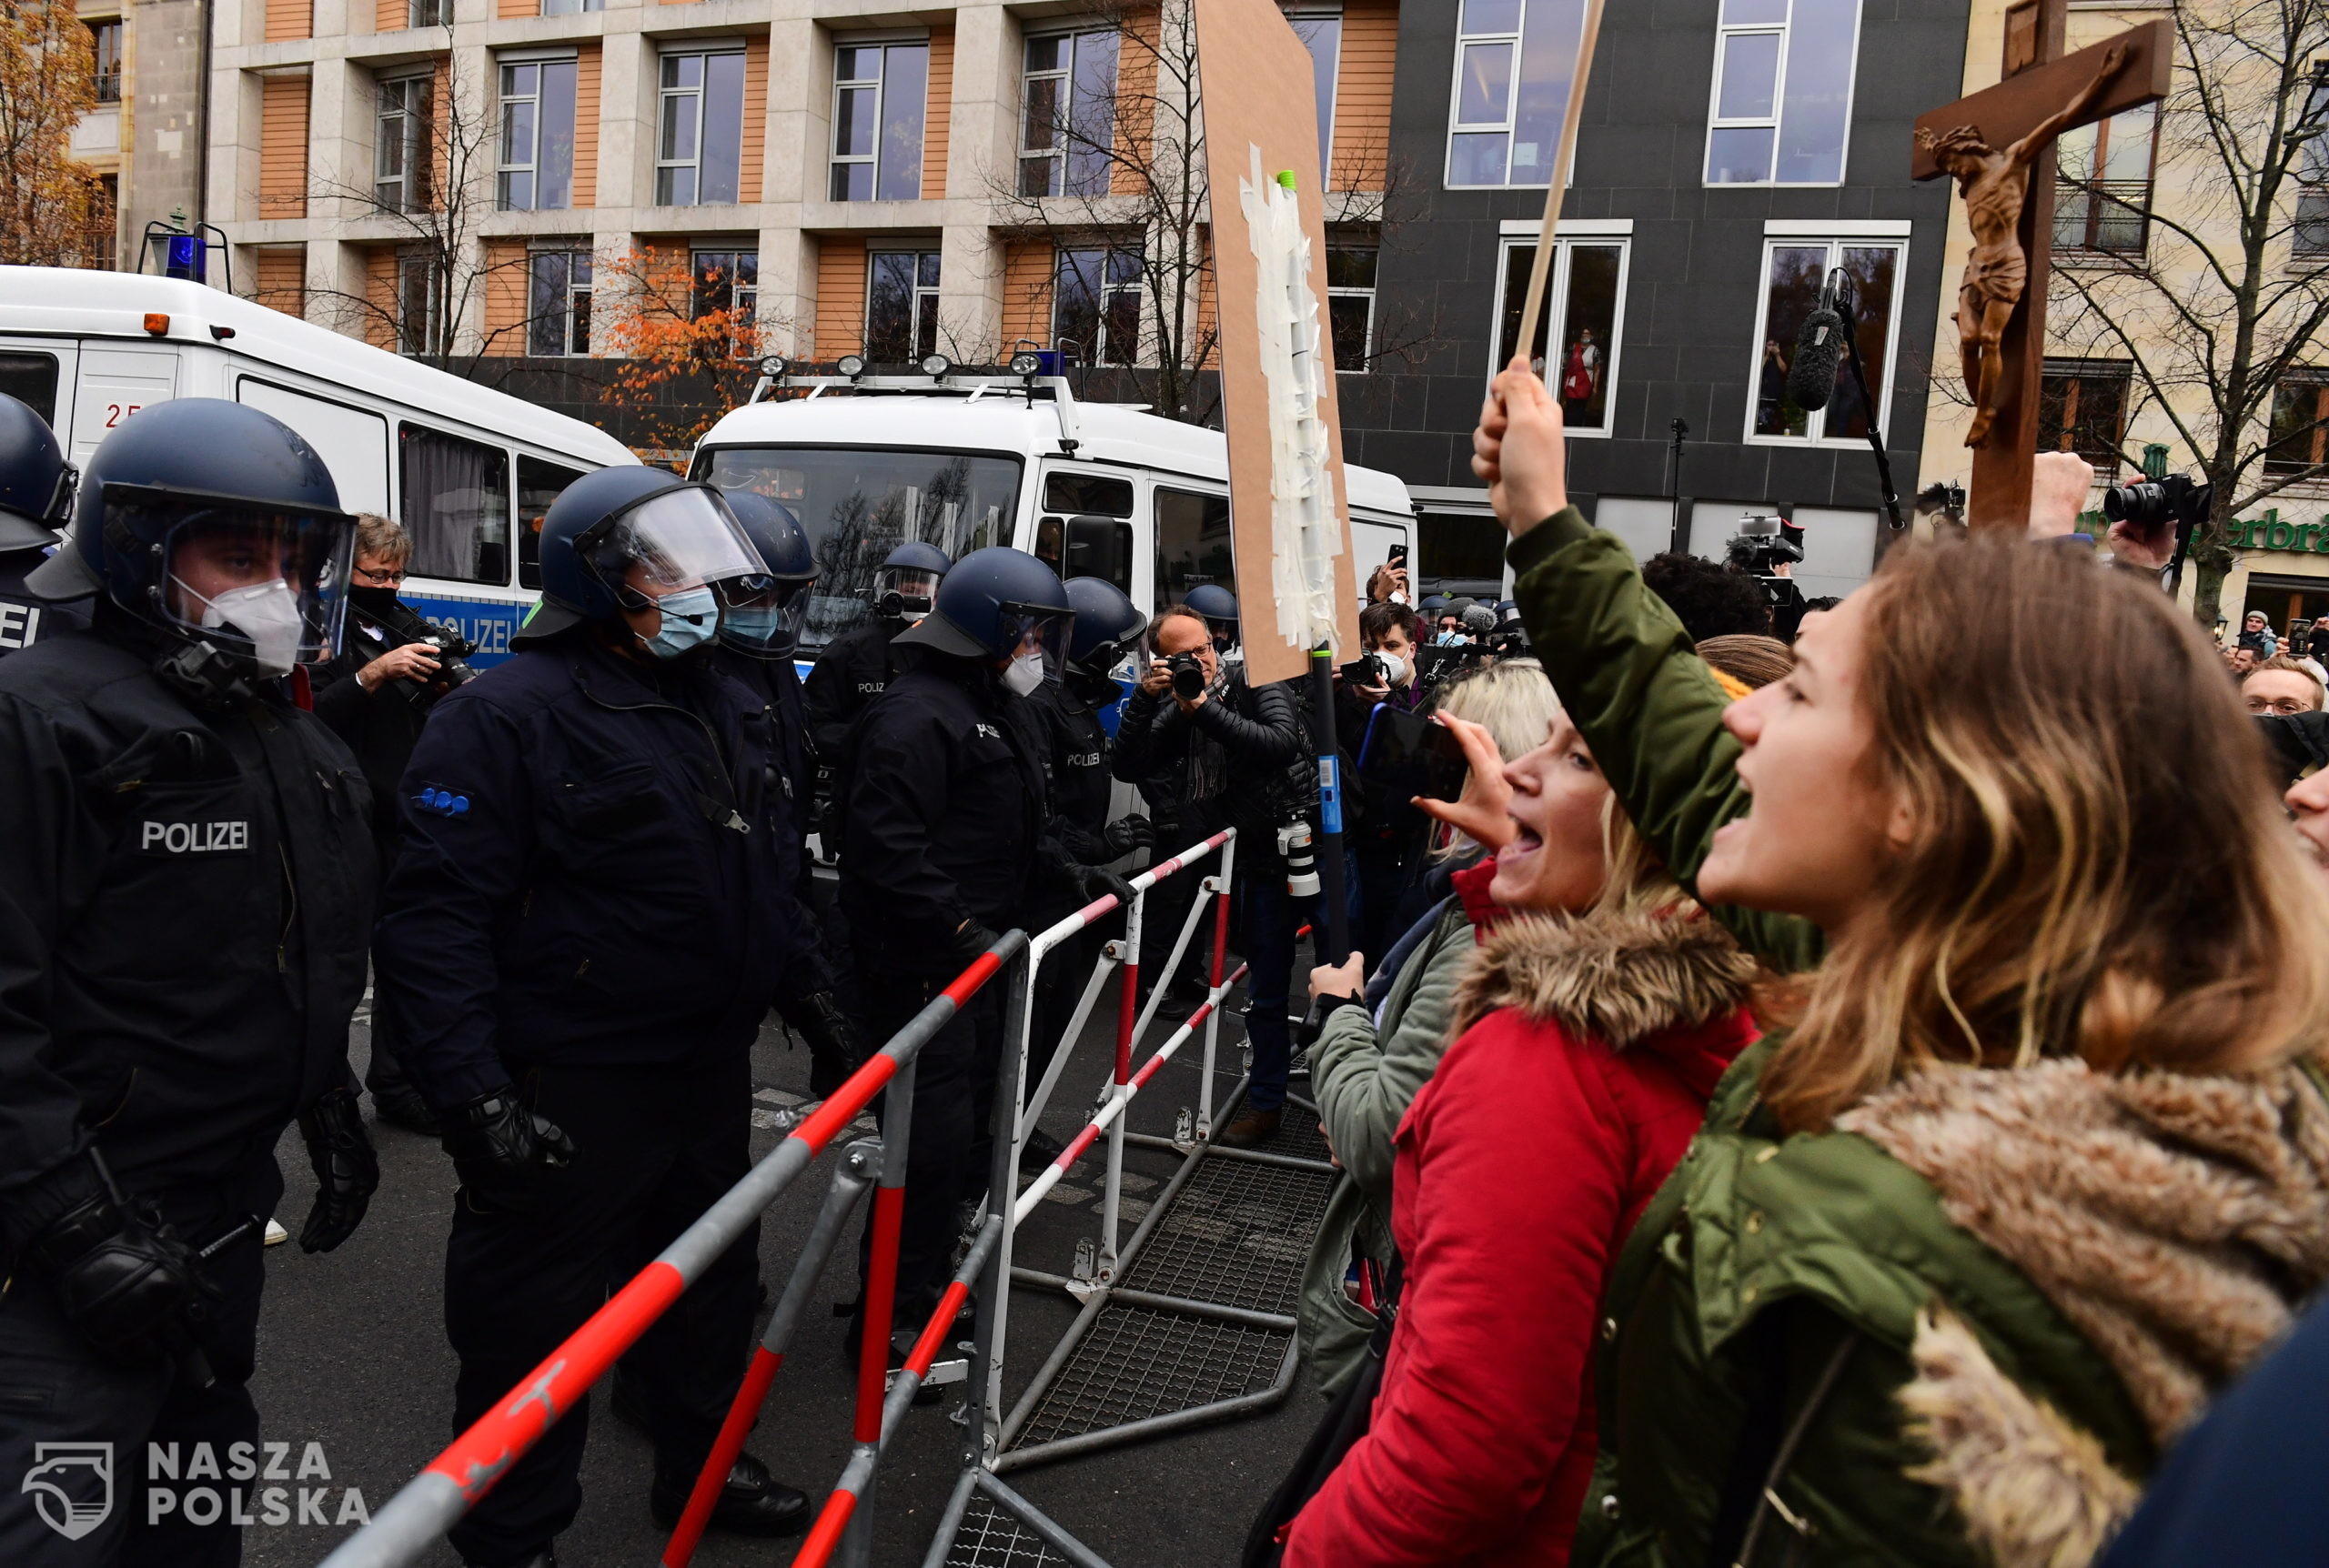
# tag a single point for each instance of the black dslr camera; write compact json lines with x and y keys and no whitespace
{"x":403,"y":625}
{"x":2147,"y":506}
{"x":1188,"y":676}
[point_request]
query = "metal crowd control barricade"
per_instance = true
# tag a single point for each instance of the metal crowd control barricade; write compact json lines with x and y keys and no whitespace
{"x":434,"y":1500}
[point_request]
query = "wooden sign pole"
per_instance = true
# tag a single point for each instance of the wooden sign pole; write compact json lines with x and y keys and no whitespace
{"x":1540,"y":268}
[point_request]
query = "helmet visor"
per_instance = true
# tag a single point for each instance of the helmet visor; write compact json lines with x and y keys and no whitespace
{"x":909,"y":582}
{"x":764,"y":612}
{"x":255,"y":580}
{"x":682,"y":538}
{"x":1042,"y":629}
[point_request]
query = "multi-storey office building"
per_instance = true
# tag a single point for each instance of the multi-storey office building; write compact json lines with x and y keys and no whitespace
{"x":1732,"y":152}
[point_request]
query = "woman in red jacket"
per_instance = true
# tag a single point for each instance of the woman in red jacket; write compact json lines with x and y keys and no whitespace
{"x":1589,"y":1038}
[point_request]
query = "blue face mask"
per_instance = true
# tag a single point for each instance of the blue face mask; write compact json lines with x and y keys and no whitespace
{"x":753,"y":625}
{"x":690,"y":619}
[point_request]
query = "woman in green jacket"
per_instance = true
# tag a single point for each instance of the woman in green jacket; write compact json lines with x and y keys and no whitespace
{"x":2034,"y":1158}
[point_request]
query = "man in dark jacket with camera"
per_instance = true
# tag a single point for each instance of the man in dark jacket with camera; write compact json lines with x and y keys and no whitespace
{"x":184,"y":891}
{"x":592,"y":907}
{"x":373,"y":693}
{"x":1237,"y":753}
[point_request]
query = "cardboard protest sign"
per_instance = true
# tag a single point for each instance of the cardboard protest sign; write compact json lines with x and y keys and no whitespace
{"x":1290,"y":519}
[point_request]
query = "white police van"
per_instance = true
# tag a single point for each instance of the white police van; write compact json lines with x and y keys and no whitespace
{"x":468,"y":470}
{"x":964,"y":461}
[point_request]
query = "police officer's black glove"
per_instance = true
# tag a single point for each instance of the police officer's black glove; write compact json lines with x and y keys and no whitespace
{"x":970,"y":940}
{"x":1093,"y":883}
{"x":346,"y":1171}
{"x":505,"y":1153}
{"x":835,"y":1048}
{"x":124,"y":1281}
{"x":1125,"y":834}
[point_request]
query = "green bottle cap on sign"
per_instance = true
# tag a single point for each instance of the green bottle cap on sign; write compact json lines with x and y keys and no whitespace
{"x":1285,"y":178}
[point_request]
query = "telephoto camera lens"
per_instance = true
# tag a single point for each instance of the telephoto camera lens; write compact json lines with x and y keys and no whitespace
{"x":1301,"y":865}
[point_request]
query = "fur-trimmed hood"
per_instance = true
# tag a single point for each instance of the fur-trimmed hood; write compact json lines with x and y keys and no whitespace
{"x":1618,"y":978}
{"x":2178,"y":1222}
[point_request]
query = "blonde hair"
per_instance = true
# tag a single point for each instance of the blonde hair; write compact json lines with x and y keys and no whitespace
{"x":1511,"y":700}
{"x":2096,"y":864}
{"x":2288,"y":665}
{"x":383,"y":538}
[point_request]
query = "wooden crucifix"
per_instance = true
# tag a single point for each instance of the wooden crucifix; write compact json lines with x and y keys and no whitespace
{"x":1998,"y":145}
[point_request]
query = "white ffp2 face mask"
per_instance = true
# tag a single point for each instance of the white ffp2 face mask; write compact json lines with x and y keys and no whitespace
{"x":268,"y":614}
{"x":1025,"y":674}
{"x":1395,"y":668}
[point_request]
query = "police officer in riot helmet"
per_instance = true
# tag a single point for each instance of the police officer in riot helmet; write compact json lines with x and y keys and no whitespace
{"x":945,"y":843}
{"x":35,"y":501}
{"x":760,"y":630}
{"x":1219,"y":606}
{"x":593,"y":906}
{"x":184,"y":908}
{"x":856,"y":666}
{"x":1076,"y":756}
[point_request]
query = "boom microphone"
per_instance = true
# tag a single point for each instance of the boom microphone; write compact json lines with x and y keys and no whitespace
{"x":1811,"y":374}
{"x":1478,"y":619}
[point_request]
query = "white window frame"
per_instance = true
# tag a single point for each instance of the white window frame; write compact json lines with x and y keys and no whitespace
{"x":1366,"y":353}
{"x":1057,"y":154}
{"x":1511,"y":106}
{"x":1724,"y":34}
{"x":1798,"y":235}
{"x":1320,"y":11}
{"x":571,"y":8}
{"x":664,"y":98}
{"x":408,"y":124}
{"x":409,"y":261}
{"x":532,"y":164}
{"x":1094,"y":353}
{"x":743,"y":298}
{"x":925,"y":296}
{"x":883,"y":43}
{"x":1571,"y":233}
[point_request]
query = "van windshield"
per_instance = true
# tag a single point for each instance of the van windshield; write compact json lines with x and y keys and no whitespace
{"x":858,"y":504}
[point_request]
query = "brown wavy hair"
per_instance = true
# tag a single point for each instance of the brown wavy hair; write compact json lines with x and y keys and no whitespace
{"x":2098,"y":865}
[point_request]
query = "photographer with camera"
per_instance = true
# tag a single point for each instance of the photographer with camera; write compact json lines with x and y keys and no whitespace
{"x":375,"y":693}
{"x":1237,"y":756}
{"x":1382,"y":833}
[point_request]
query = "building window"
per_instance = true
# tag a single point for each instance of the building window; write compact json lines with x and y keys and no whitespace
{"x":2082,"y":408}
{"x":1514,"y":63}
{"x":105,"y":43}
{"x":558,"y":308}
{"x":878,"y":98}
{"x":1350,"y":305}
{"x":2102,"y":199}
{"x":729,"y":282}
{"x":2300,"y":423}
{"x":902,"y":306}
{"x":2311,"y":240}
{"x":1782,"y":92}
{"x":104,"y":222}
{"x":402,"y":159}
{"x":1588,"y":301}
{"x":571,"y":8}
{"x":537,"y":137}
{"x":1321,"y":32}
{"x":699,"y":154}
{"x":455,"y":506}
{"x":418,"y":305}
{"x":1096,"y":305}
{"x":1793,"y":271}
{"x":429,"y":13}
{"x":1068,"y":129}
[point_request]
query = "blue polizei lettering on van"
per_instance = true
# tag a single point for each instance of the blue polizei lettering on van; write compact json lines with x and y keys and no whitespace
{"x":488,"y":623}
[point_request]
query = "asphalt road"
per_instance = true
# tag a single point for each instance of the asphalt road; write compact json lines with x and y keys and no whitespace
{"x":352,"y":1356}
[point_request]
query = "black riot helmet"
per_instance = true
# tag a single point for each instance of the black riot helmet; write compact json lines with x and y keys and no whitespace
{"x":761,"y":615}
{"x":220,"y":526}
{"x":907,"y":585}
{"x":997,"y":603}
{"x":1218,"y":606}
{"x":36,"y":482}
{"x":1107,"y":625}
{"x":611,"y":530}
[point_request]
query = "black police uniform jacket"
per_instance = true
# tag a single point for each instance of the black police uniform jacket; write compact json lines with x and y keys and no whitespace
{"x":777,"y":685}
{"x":186,"y":896}
{"x":26,"y":618}
{"x":945,"y":818}
{"x":594,"y":868}
{"x":1077,"y":754}
{"x":853,"y":670}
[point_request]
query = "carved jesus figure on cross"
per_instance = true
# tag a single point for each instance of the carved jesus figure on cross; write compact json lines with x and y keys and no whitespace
{"x":1995,"y":184}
